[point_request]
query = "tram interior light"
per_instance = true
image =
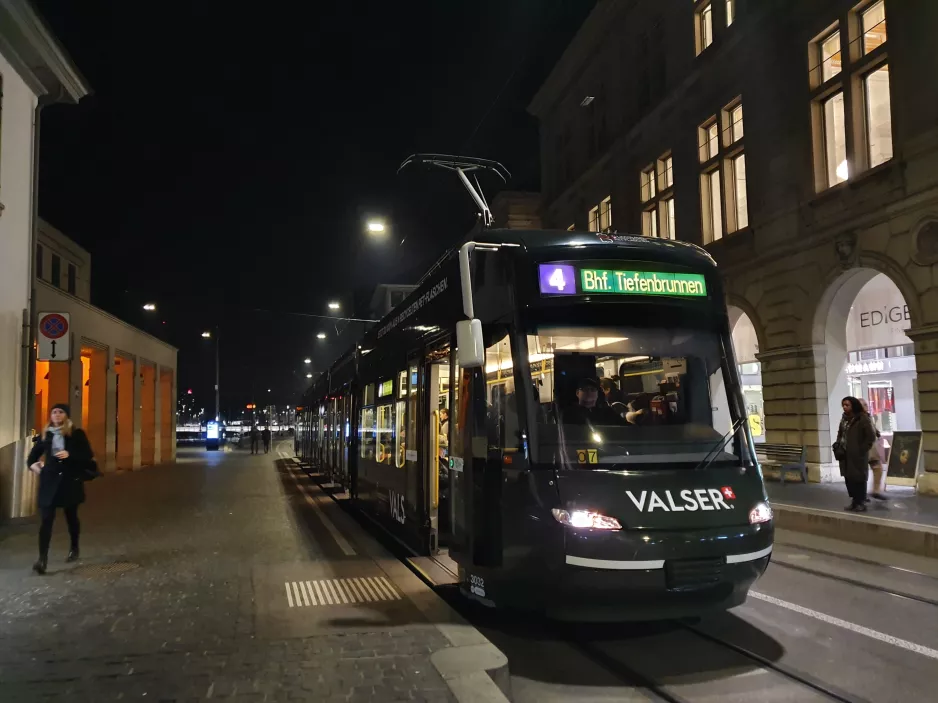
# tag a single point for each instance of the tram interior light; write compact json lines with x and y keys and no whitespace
{"x":761,"y":513}
{"x":584,"y":518}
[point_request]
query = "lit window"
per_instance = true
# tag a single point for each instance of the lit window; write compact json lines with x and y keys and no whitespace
{"x":835,"y":139}
{"x":665,"y":172}
{"x":666,"y":217}
{"x":594,"y":219}
{"x":835,"y":102}
{"x":831,"y":63}
{"x":878,"y":115}
{"x":708,"y":140}
{"x":704,"y":27}
{"x":711,"y":208}
{"x":657,"y":189}
{"x":650,"y":223}
{"x":873,"y":21}
{"x":736,"y":124}
{"x":605,"y":214}
{"x":730,"y":12}
{"x":648,"y":184}
{"x":737,"y":180}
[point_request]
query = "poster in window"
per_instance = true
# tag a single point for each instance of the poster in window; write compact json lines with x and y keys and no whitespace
{"x":904,"y":454}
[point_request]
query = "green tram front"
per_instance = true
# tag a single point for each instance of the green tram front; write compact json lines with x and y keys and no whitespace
{"x":580,"y":446}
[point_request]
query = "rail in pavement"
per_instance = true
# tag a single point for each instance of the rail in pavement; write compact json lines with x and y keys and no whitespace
{"x":472,"y":667}
{"x":905,"y":522}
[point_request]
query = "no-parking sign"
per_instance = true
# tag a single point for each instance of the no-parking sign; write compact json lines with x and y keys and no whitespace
{"x":54,"y":338}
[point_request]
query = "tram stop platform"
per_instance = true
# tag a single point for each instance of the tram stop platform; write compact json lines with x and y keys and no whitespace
{"x":228,"y":576}
{"x":905,"y":522}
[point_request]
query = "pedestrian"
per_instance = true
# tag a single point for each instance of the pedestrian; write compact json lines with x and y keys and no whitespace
{"x":255,"y":436}
{"x":877,"y":456}
{"x":266,"y":436}
{"x":63,"y":459}
{"x":855,"y":439}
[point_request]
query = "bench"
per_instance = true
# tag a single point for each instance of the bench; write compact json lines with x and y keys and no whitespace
{"x":785,"y":457}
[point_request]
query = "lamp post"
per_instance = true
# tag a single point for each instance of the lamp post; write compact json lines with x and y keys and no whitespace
{"x":208,"y":335}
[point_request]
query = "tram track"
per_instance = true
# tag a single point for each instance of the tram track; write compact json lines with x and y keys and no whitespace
{"x":658,"y":691}
{"x":855,"y":582}
{"x":850,"y":557}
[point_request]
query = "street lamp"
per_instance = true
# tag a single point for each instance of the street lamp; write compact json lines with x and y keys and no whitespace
{"x":376,"y":227}
{"x":333,"y":305}
{"x":150,"y":307}
{"x":321,"y":335}
{"x":208,"y":335}
{"x":309,"y":375}
{"x":307,"y":360}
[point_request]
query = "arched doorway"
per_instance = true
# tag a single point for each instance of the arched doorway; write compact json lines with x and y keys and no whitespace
{"x":746,"y":346}
{"x":868,"y":354}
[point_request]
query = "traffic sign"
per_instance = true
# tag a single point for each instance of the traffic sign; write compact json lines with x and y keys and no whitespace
{"x":54,"y":338}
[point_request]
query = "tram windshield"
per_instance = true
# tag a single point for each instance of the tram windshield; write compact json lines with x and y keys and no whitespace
{"x":635,"y":396}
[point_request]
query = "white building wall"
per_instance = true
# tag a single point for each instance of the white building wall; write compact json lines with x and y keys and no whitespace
{"x":16,"y":179}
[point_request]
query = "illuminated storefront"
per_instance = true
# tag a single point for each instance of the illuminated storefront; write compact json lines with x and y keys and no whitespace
{"x":881,"y":358}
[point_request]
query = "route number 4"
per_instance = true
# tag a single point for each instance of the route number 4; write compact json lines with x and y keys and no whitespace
{"x":557,"y":280}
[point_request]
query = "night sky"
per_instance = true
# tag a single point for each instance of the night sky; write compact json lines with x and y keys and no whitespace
{"x":227,"y":161}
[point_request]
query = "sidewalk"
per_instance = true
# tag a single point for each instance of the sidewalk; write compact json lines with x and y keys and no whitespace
{"x":200,"y":580}
{"x":905,"y":522}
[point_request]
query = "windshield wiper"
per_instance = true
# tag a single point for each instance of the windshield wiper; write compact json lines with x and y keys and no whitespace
{"x":718,"y":447}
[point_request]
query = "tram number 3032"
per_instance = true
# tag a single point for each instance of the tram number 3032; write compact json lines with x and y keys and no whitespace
{"x":477,"y":585}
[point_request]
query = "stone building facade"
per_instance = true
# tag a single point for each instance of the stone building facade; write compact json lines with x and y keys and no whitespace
{"x":797,"y":141}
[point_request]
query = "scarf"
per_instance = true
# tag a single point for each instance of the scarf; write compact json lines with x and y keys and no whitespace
{"x":58,"y":439}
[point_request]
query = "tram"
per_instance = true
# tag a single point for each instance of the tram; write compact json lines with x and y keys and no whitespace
{"x":558,"y":415}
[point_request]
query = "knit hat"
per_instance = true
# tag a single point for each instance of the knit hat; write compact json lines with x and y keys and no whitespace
{"x":63,"y":407}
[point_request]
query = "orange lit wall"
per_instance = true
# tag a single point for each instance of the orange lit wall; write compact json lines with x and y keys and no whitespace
{"x":148,"y":415}
{"x":167,"y":416}
{"x":94,"y":398}
{"x":124,"y":370}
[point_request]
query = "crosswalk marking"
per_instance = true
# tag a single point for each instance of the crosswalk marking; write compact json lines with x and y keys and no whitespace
{"x":347,"y":591}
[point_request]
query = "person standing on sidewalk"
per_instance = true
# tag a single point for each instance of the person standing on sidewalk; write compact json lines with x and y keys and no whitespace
{"x":63,"y":459}
{"x":855,"y":438}
{"x":265,"y":435}
{"x":877,"y":455}
{"x":255,"y":435}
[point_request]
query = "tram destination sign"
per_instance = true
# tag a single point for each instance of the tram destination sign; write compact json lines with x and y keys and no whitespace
{"x":566,"y":279}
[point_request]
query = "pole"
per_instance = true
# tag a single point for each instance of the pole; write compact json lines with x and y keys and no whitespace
{"x":217,"y":395}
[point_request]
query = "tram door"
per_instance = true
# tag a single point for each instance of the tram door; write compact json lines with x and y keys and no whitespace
{"x":437,"y":402}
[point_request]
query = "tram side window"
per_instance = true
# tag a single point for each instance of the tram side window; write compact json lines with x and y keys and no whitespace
{"x":502,"y":413}
{"x":399,"y":443}
{"x":385,"y":433}
{"x":367,"y":426}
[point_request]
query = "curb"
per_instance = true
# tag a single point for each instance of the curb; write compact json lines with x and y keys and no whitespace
{"x":474,"y":669}
{"x":909,"y":537}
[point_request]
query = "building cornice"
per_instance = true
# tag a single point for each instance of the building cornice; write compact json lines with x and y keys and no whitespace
{"x":36,"y":54}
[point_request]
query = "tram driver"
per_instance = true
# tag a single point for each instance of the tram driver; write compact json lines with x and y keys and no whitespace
{"x":589,"y":408}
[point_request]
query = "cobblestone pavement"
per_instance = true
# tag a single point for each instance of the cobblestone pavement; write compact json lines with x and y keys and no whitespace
{"x":170,"y":598}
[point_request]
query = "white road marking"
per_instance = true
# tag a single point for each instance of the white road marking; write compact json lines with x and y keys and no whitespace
{"x":343,"y":543}
{"x":312,"y":596}
{"x":347,"y":591}
{"x":853,"y":627}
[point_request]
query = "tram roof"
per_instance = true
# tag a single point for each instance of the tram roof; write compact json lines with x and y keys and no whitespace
{"x":539,"y":240}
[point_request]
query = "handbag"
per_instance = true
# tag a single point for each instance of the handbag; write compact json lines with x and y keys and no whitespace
{"x":91,"y":471}
{"x":840,"y":451}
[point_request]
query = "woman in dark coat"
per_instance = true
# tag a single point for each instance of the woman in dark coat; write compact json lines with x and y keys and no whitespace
{"x":855,"y":437}
{"x":62,"y":458}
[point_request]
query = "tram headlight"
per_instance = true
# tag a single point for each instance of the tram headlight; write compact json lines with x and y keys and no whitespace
{"x":585,"y":518}
{"x":759,"y":514}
